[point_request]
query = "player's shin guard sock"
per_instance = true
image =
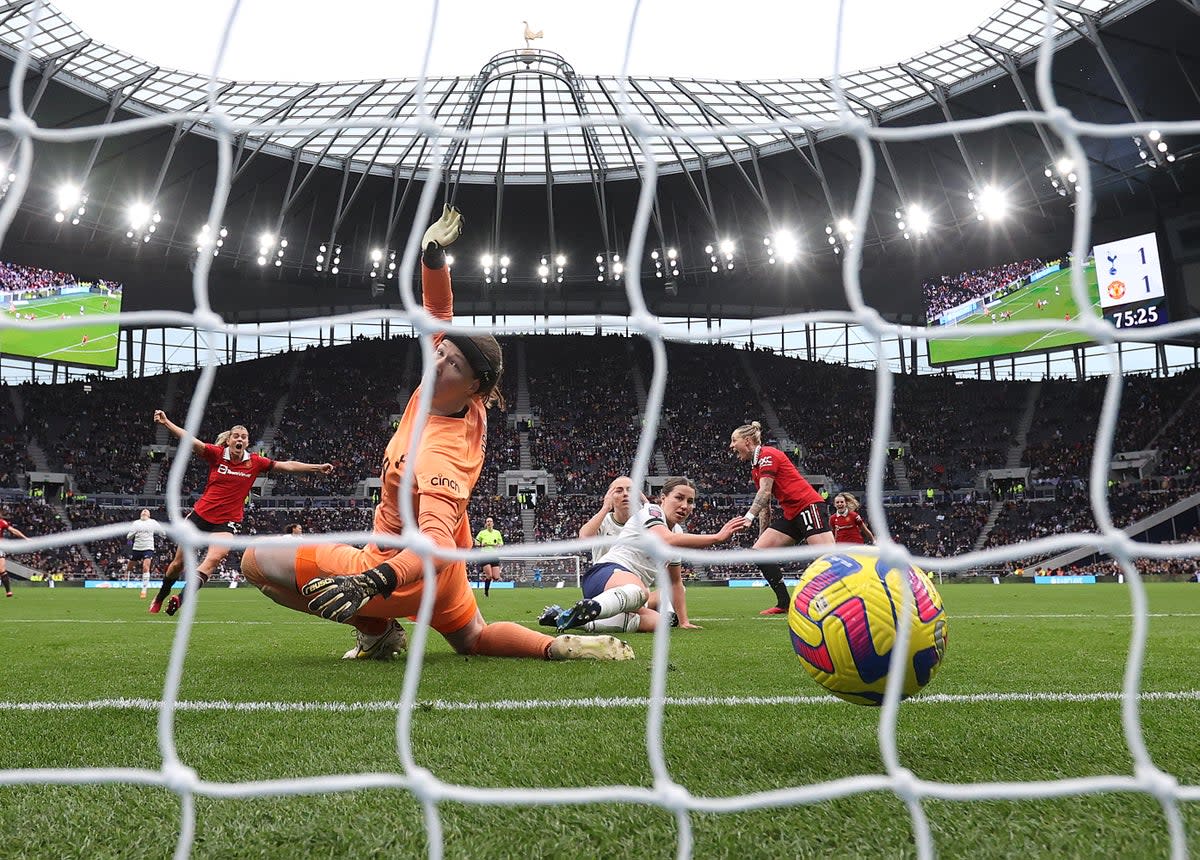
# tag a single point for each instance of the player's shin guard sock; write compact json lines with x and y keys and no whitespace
{"x":146,"y":581}
{"x":487,"y":587}
{"x":623,"y":598}
{"x":773,"y":573}
{"x":165,"y":588}
{"x":506,"y":639}
{"x":6,"y":582}
{"x":624,"y":622}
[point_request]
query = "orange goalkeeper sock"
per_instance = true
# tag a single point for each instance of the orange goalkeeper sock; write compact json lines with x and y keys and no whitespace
{"x":370,"y":626}
{"x":506,"y":639}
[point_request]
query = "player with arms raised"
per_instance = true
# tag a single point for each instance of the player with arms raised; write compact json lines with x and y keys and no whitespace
{"x":802,"y":520}
{"x":616,"y":590}
{"x":369,"y":588}
{"x":847,"y":524}
{"x":9,"y":528}
{"x":221,"y":508}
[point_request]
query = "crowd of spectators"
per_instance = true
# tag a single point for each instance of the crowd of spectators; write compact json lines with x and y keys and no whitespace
{"x":948,"y":291}
{"x":37,"y":281}
{"x":587,"y":418}
{"x":583,"y":395}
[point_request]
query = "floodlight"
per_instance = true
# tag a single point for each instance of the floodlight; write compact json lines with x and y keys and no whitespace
{"x":67,"y":196}
{"x":560,"y":260}
{"x":846,"y":227}
{"x":992,"y":203}
{"x":919,"y":220}
{"x":786,"y":246}
{"x":376,"y":255}
{"x":726,"y":247}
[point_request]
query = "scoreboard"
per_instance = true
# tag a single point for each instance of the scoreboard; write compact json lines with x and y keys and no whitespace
{"x":1132,"y":294}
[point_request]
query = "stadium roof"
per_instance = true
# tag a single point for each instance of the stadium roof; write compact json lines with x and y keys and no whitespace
{"x":536,"y":87}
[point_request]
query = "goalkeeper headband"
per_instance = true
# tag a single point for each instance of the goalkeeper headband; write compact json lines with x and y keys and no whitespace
{"x":483,"y":369}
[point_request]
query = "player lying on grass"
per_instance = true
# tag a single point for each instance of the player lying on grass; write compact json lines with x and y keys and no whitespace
{"x":617,"y":590}
{"x":802,"y":520}
{"x":370,"y":588}
{"x":221,"y":508}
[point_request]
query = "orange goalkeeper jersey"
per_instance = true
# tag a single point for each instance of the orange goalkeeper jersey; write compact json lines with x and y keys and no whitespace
{"x":450,"y":452}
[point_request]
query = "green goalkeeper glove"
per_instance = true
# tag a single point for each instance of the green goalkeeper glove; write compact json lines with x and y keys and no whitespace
{"x":339,"y":598}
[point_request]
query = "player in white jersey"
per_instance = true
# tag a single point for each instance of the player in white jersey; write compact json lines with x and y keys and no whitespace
{"x":612,"y":516}
{"x":142,"y":534}
{"x":616,"y":591}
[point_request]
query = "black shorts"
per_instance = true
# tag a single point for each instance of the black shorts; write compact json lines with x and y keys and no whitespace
{"x":484,"y":562}
{"x":809,"y":522}
{"x":140,"y":554}
{"x":219,"y":528}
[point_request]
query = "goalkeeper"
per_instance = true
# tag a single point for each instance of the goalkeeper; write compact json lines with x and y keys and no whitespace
{"x":370,"y":588}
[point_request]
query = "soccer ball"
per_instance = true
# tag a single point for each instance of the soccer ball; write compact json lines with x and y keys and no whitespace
{"x":843,"y":623}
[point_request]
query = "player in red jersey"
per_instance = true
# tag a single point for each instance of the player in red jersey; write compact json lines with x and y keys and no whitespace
{"x":232,"y":471}
{"x":6,"y":526}
{"x":369,"y":588}
{"x":848,"y":525}
{"x":802,"y":518}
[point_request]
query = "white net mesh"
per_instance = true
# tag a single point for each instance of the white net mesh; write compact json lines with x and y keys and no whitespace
{"x":666,"y":793}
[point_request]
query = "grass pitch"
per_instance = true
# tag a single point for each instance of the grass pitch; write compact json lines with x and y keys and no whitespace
{"x":1032,"y":643}
{"x":66,"y":344}
{"x":975,"y":344}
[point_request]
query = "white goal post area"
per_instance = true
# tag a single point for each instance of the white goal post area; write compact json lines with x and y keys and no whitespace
{"x":664,"y":792}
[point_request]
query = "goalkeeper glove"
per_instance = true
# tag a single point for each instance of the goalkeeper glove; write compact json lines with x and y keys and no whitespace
{"x":339,"y":598}
{"x":446,"y":230}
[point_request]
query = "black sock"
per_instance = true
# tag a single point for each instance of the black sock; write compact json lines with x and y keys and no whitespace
{"x":165,"y":589}
{"x":7,"y":583}
{"x":203,"y":579}
{"x":773,"y":573}
{"x":487,"y":586}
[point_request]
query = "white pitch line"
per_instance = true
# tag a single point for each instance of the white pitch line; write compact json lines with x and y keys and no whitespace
{"x":605,"y":702}
{"x":77,"y":345}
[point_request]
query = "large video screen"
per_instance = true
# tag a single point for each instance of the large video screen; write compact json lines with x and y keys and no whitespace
{"x":1123,"y":278}
{"x":31,"y":297}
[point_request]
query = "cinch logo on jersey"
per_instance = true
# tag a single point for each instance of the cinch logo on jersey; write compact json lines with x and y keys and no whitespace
{"x":225,"y":470}
{"x":442,"y":481}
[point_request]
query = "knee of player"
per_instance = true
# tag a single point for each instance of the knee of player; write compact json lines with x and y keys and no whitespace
{"x":251,"y":568}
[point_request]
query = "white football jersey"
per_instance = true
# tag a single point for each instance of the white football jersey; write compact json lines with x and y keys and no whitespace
{"x":142,"y":532}
{"x":631,"y":558}
{"x":609,"y":527}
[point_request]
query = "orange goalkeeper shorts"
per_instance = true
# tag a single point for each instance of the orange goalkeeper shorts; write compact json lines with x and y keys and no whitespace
{"x":454,"y":604}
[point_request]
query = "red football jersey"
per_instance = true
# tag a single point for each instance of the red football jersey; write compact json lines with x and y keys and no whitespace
{"x":793,"y":493}
{"x":846,"y":528}
{"x":229,"y":483}
{"x":4,"y":526}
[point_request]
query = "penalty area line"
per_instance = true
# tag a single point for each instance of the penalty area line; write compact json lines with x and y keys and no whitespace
{"x":610,"y":702}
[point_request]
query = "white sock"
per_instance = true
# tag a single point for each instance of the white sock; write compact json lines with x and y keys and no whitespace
{"x":623,"y":598}
{"x":624,"y":622}
{"x":145,"y":580}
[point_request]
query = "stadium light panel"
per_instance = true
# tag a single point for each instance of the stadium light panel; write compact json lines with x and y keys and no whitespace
{"x":139,"y":215}
{"x":846,"y":227}
{"x":785,"y":246}
{"x":486,"y":261}
{"x":504,"y":261}
{"x":560,"y":260}
{"x":1064,"y":165}
{"x":376,"y":255}
{"x":919,"y":220}
{"x":67,"y":196}
{"x":992,"y":203}
{"x":727,"y":247}
{"x":266,"y":239}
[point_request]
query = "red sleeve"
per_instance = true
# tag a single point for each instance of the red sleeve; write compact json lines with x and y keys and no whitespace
{"x":768,"y":464}
{"x":264,"y":464}
{"x":213,"y":453}
{"x":857,"y":519}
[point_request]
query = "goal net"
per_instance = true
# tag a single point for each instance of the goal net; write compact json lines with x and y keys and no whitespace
{"x":557,"y":560}
{"x":540,"y":571}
